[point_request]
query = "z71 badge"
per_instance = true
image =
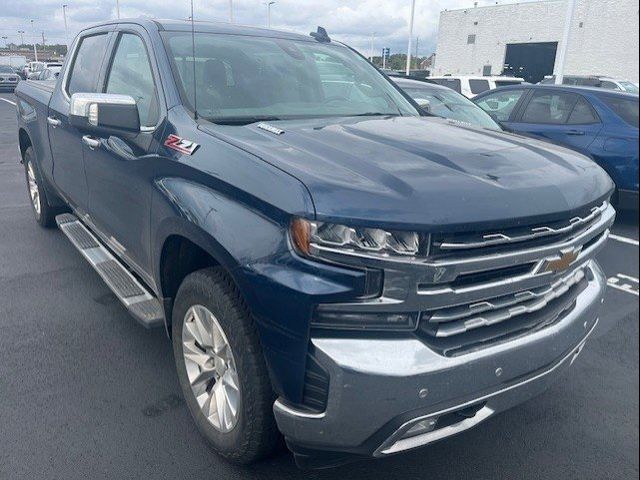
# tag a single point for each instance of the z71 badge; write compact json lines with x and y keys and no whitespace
{"x":181,"y":145}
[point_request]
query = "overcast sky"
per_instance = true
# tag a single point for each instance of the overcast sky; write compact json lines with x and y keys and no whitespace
{"x":351,"y":21}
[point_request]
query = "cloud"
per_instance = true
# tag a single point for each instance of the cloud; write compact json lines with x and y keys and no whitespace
{"x":352,"y":21}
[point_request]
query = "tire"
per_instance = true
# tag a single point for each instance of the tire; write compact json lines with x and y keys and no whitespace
{"x":45,"y":215}
{"x":253,"y":434}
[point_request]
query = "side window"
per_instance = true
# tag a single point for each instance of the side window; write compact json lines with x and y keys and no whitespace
{"x":86,"y":64}
{"x":625,"y":108}
{"x":478,"y":86}
{"x":552,"y":108}
{"x":131,"y":74}
{"x":609,"y":85}
{"x":452,"y":83}
{"x":583,"y":114}
{"x":500,"y":105}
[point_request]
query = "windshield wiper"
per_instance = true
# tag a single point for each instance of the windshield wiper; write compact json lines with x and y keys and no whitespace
{"x":375,"y":114}
{"x":243,"y":120}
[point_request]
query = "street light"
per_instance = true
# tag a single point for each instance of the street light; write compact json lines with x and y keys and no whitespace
{"x":35,"y":49}
{"x":413,"y":12}
{"x":5,"y":41}
{"x":230,"y":11}
{"x":269,"y":13}
{"x":21,"y":33}
{"x":371,"y":52}
{"x":118,"y":9}
{"x":66,"y":32}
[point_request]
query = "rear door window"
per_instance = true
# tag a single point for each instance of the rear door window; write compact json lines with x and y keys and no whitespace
{"x":583,"y":114}
{"x":500,"y":104}
{"x":478,"y":86}
{"x":549,"y":108}
{"x":86,"y":64}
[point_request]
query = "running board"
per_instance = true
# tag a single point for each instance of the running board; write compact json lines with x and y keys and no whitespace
{"x":141,"y":303}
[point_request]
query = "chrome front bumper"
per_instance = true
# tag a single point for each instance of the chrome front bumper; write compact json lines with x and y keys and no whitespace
{"x":379,"y":387}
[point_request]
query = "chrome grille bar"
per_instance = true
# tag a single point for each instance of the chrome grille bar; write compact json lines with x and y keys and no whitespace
{"x":500,"y":310}
{"x":494,"y":239}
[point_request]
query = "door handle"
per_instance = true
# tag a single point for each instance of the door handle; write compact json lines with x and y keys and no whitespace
{"x":575,"y":132}
{"x":54,"y":122}
{"x":91,"y":142}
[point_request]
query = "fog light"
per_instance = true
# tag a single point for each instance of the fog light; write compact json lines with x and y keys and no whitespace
{"x":423,"y":426}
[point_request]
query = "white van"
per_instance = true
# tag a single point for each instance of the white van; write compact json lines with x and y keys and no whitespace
{"x":470,"y":85}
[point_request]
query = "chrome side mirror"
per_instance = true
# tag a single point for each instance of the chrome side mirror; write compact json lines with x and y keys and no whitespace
{"x":104,"y":113}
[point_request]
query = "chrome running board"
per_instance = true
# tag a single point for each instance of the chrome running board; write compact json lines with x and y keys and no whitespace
{"x":142,"y":304}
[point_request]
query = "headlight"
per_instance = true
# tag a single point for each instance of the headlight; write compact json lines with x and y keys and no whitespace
{"x":314,"y":238}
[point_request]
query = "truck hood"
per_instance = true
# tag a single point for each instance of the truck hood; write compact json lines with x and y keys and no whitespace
{"x":423,"y":172}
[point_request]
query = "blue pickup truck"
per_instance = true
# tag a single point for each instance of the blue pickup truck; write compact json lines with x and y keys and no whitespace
{"x":331,"y":264}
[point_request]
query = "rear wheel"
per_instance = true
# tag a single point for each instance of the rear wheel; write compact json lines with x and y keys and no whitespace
{"x":45,"y":215}
{"x":221,"y":369}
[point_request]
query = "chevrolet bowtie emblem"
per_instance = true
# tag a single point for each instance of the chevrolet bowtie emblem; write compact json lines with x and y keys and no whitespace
{"x":566,"y":259}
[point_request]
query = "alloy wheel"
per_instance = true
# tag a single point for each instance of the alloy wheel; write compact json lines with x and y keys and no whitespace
{"x":211,"y":368}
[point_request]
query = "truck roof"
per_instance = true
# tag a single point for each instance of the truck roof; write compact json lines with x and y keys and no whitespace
{"x":174,"y":25}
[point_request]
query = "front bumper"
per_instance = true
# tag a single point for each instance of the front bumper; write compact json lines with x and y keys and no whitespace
{"x":379,"y":387}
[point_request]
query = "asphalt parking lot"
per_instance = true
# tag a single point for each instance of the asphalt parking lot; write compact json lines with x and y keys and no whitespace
{"x":87,"y":393}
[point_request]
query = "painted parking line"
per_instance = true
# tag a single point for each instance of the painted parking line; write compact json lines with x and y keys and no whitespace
{"x":8,"y":101}
{"x":624,"y":283}
{"x":627,"y":240}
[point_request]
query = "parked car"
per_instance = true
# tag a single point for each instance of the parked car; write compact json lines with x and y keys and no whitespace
{"x":48,"y":73}
{"x":329,"y":262}
{"x":599,"y":123}
{"x":8,"y":78}
{"x":36,"y":70}
{"x":444,"y":102}
{"x":594,"y":81}
{"x":470,"y":85}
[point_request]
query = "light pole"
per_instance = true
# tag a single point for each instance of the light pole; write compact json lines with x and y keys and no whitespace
{"x":35,"y":49}
{"x":21,"y":33}
{"x":564,"y":45}
{"x":269,"y":13}
{"x":66,"y":32}
{"x":5,"y":41}
{"x":118,"y":9}
{"x":413,"y":13}
{"x":231,"y":11}
{"x":373,"y":39}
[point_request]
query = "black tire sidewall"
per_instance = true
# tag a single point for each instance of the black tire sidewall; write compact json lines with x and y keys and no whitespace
{"x":194,"y":291}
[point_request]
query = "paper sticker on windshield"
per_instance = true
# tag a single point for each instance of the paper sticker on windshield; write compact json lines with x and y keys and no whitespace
{"x":181,"y":145}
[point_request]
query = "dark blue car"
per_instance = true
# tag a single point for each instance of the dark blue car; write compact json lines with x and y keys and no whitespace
{"x":599,"y":123}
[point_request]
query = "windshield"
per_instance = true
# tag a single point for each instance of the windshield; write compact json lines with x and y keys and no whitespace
{"x":6,"y":69}
{"x":241,"y":79}
{"x":449,"y":104}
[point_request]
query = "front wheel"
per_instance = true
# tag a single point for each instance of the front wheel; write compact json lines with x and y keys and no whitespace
{"x":221,"y":369}
{"x":45,"y":215}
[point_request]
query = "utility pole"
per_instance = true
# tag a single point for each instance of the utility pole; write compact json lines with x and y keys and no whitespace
{"x":230,"y":11}
{"x":21,"y":33}
{"x":35,"y":49}
{"x":564,"y":44}
{"x":118,"y":9}
{"x":413,"y":13}
{"x":66,"y":32}
{"x":416,"y":55}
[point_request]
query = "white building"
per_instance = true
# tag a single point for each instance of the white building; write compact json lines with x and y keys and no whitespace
{"x":522,"y":39}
